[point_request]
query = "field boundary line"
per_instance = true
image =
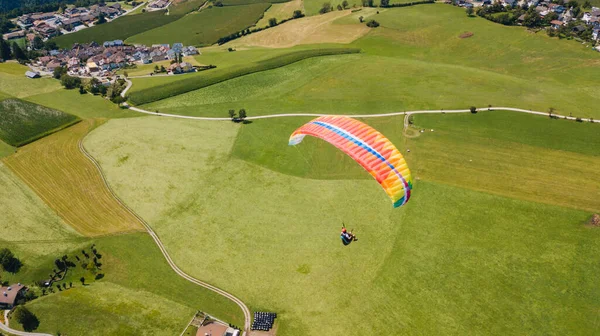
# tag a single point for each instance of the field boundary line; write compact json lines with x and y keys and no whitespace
{"x":174,"y":267}
{"x":379,"y":115}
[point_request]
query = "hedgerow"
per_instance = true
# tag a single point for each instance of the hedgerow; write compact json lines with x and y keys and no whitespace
{"x":216,"y":76}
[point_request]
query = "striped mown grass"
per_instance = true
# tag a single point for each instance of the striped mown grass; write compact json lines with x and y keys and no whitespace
{"x":57,"y":170}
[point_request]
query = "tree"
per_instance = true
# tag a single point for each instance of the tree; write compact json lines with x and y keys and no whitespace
{"x":37,"y":43}
{"x":5,"y":52}
{"x":18,"y":53}
{"x":550,"y":111}
{"x":232,"y":114}
{"x":372,"y":24}
{"x":125,"y":74}
{"x":384,"y":3}
{"x":339,"y":7}
{"x":65,"y":285}
{"x":59,"y":72}
{"x":26,"y":318}
{"x":101,"y":19}
{"x":587,"y":4}
{"x":469,"y":11}
{"x":162,"y":68}
{"x":473,"y":109}
{"x":272,"y":22}
{"x":82,"y":90}
{"x":50,"y":45}
{"x":368,"y":3}
{"x":219,"y":3}
{"x":572,"y":4}
{"x":8,"y":261}
{"x":345,"y":4}
{"x":297,"y":14}
{"x":156,"y":69}
{"x":242,"y":114}
{"x":326,"y":8}
{"x":70,"y":82}
{"x":82,"y":279}
{"x":361,"y":19}
{"x":70,"y":285}
{"x":532,"y":19}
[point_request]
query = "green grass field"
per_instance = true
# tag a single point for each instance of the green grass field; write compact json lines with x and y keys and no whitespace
{"x":5,"y":149}
{"x":428,"y":67}
{"x":22,"y":122}
{"x":13,"y":82}
{"x":84,"y":106}
{"x":139,"y":295}
{"x":487,"y":264}
{"x":121,"y":28}
{"x":191,"y":83}
{"x":205,"y":27}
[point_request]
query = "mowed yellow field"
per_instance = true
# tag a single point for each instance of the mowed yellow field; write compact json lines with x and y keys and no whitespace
{"x":57,"y":170}
{"x":307,"y":30}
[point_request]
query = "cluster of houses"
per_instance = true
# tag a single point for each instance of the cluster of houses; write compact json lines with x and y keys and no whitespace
{"x":590,"y":18}
{"x":94,"y":59}
{"x":51,"y":24}
{"x":158,"y":4}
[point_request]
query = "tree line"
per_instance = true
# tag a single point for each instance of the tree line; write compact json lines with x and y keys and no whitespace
{"x":14,"y":51}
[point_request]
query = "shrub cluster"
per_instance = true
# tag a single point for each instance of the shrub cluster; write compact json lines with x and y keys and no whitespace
{"x":196,"y":82}
{"x":406,"y":4}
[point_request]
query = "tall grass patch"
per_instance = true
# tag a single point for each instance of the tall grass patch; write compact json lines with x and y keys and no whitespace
{"x":22,"y":122}
{"x":193,"y":83}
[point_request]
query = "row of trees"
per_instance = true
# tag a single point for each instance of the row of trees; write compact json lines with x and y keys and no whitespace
{"x":240,"y":117}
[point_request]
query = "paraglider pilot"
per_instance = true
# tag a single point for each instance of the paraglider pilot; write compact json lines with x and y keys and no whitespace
{"x":347,"y":237}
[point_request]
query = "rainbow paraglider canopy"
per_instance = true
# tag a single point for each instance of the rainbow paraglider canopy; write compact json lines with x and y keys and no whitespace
{"x":368,"y":147}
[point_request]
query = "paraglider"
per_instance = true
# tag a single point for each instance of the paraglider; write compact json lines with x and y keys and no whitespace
{"x":369,"y":148}
{"x":347,"y":237}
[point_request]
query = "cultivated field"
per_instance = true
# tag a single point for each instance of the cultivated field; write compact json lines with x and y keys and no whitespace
{"x":22,"y":122}
{"x":489,"y":264}
{"x":70,"y":184}
{"x":307,"y":30}
{"x":121,"y":28}
{"x":205,"y":27}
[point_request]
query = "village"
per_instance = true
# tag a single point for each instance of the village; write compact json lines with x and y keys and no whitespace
{"x":102,"y":60}
{"x":557,"y":14}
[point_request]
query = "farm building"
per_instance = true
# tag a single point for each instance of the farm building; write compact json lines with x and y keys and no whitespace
{"x":10,"y":294}
{"x":31,"y":74}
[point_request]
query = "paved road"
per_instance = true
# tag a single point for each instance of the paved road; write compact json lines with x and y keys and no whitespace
{"x":240,"y":303}
{"x":361,"y":115}
{"x":5,"y":328}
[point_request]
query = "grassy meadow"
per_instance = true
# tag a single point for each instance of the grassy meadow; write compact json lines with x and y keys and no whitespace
{"x":5,"y":149}
{"x":280,"y":11}
{"x":429,"y":67}
{"x":13,"y":82}
{"x":485,"y":263}
{"x":84,"y":106}
{"x":204,"y":27}
{"x":22,"y":122}
{"x":138,"y":295}
{"x":69,"y":183}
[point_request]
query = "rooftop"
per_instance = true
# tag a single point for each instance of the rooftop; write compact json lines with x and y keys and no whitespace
{"x":8,"y":295}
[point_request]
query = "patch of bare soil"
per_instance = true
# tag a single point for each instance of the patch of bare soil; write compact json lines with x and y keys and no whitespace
{"x":466,"y":35}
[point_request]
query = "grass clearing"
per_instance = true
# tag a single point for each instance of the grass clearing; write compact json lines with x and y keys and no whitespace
{"x":191,"y":83}
{"x":20,"y":86}
{"x":23,"y":122}
{"x":13,"y":68}
{"x":5,"y":149}
{"x":70,"y":184}
{"x":487,"y":264}
{"x":84,"y":106}
{"x":306,"y":30}
{"x":205,"y":27}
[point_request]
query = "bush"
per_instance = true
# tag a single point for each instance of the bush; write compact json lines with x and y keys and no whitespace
{"x":193,"y":83}
{"x":272,"y":22}
{"x":326,"y":8}
{"x":372,"y":24}
{"x":70,"y":82}
{"x":473,"y":109}
{"x":406,"y":4}
{"x":297,"y":14}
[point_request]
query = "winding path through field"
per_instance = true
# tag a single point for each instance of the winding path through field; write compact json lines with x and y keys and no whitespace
{"x":391,"y":114}
{"x":243,"y":307}
{"x":6,"y":328}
